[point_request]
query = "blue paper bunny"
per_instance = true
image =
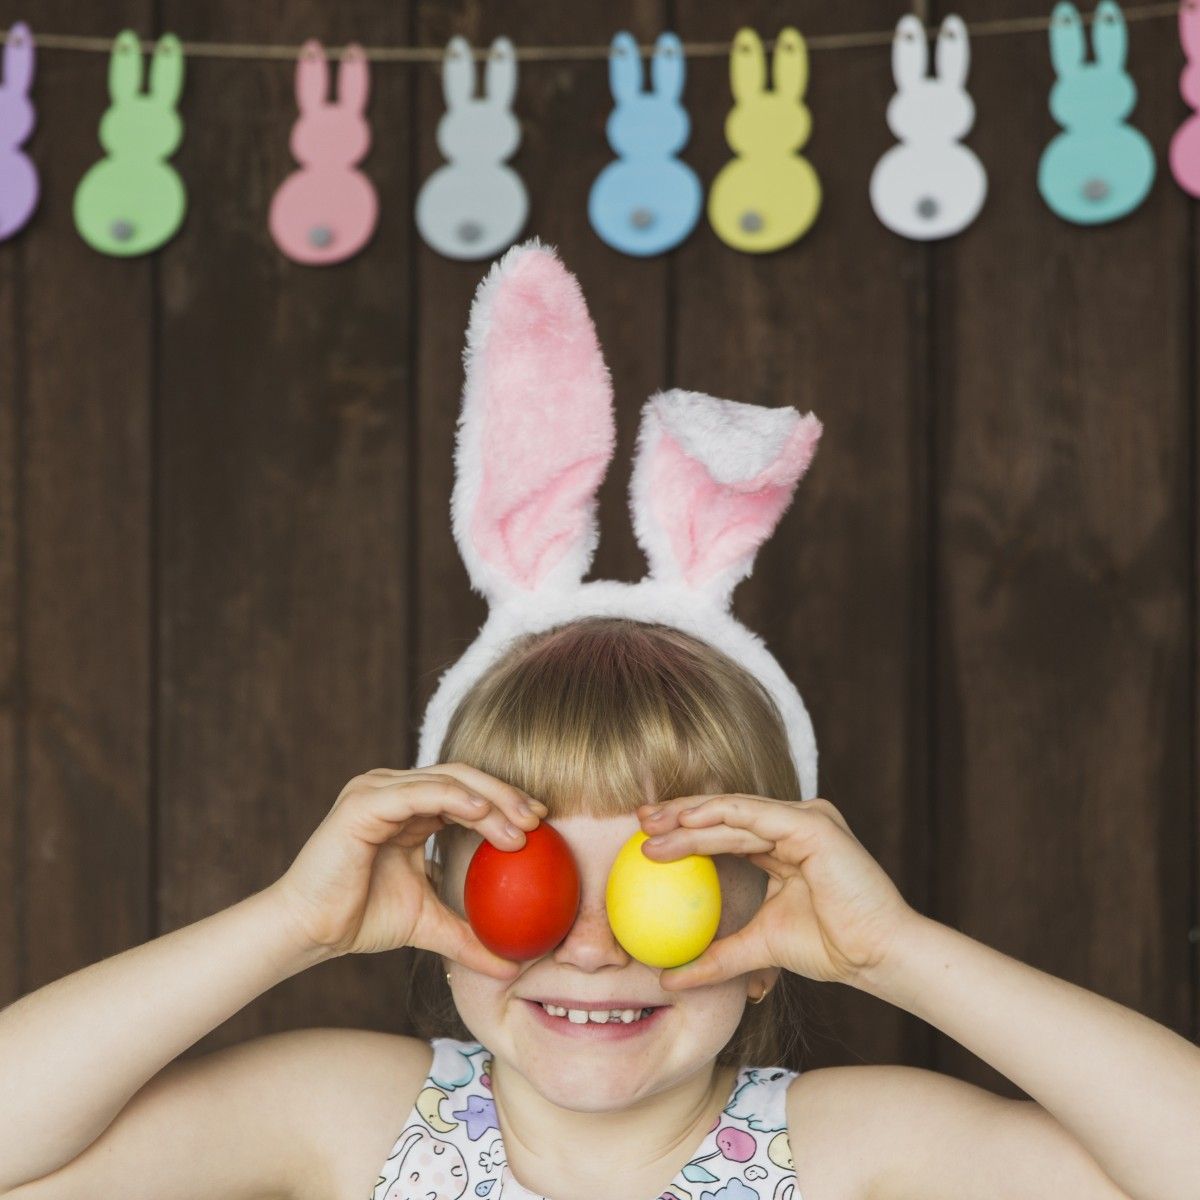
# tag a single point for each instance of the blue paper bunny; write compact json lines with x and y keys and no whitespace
{"x":647,"y":200}
{"x":1100,"y":168}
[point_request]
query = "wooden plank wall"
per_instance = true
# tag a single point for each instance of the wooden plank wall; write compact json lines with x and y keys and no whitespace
{"x":228,"y":581}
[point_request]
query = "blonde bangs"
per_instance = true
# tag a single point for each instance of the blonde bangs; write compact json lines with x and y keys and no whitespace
{"x":586,"y":716}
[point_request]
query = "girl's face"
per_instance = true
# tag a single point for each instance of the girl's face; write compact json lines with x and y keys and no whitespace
{"x":566,"y":1063}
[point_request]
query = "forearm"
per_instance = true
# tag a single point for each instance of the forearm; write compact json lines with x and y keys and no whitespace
{"x":73,"y":1053}
{"x":1125,"y":1086}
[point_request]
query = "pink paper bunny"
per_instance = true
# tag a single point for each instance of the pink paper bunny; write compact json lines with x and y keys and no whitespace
{"x":1185,"y":145}
{"x":327,"y":211}
{"x":18,"y":175}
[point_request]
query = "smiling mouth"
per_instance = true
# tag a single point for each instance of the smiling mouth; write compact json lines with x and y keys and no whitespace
{"x":602,"y":1016}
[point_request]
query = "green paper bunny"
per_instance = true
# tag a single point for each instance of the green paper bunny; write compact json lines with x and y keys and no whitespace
{"x":132,"y":201}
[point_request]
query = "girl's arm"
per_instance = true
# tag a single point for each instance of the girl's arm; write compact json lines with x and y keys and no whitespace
{"x":74,"y":1052}
{"x":1125,"y":1086}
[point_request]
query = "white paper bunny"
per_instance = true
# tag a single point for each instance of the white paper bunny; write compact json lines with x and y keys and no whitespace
{"x":711,"y":479}
{"x":929,"y":186}
{"x":475,"y":206}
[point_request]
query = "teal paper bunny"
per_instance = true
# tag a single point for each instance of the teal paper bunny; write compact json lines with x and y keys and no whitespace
{"x":1099,"y":168}
{"x":131,"y":201}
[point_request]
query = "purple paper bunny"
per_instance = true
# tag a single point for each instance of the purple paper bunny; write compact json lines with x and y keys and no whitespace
{"x":18,"y":175}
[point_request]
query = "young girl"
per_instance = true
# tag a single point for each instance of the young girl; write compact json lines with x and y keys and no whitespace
{"x":583,"y":1073}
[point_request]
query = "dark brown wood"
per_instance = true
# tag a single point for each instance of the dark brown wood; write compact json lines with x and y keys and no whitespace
{"x":12,"y":858}
{"x":285,"y":453}
{"x":80,"y":747}
{"x":1062,"y":629}
{"x":228,"y":581}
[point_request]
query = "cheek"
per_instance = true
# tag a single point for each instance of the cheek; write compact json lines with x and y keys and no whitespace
{"x":741,"y":898}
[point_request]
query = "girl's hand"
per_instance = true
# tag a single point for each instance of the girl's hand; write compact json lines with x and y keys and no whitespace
{"x":358,"y":885}
{"x":830,"y":912}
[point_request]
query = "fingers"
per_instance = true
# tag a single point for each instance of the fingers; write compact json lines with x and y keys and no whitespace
{"x":714,"y":839}
{"x":447,"y":933}
{"x":795,"y":823}
{"x":380,"y":812}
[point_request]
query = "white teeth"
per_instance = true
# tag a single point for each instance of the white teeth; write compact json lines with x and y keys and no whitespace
{"x":580,"y":1016}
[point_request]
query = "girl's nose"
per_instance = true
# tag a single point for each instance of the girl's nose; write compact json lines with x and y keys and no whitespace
{"x":589,"y":944}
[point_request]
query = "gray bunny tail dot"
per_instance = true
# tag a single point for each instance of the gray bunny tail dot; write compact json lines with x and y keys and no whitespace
{"x":641,"y":218}
{"x":469,"y":231}
{"x":751,"y":221}
{"x":121,"y":229}
{"x":927,"y":208}
{"x":1095,"y":189}
{"x":320,"y":236}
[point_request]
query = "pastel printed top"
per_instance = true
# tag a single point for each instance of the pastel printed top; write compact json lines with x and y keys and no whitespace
{"x":450,"y":1146}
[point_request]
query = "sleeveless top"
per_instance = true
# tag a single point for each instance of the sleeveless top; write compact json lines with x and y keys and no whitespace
{"x":450,"y":1146}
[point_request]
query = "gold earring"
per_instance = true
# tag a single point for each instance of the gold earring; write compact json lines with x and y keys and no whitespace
{"x":761,"y":995}
{"x":447,"y":978}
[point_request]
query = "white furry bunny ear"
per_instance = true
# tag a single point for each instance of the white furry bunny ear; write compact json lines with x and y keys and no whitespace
{"x":710,"y":482}
{"x":536,"y":431}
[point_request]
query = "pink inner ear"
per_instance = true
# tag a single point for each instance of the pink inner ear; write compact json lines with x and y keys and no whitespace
{"x":548,"y":422}
{"x":710,"y":524}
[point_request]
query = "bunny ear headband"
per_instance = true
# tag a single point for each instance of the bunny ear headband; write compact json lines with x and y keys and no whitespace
{"x":711,"y":479}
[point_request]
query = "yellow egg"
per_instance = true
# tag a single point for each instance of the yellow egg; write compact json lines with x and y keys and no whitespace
{"x":662,"y":913}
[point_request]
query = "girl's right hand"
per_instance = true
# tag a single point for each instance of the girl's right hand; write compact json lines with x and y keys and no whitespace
{"x":358,"y":885}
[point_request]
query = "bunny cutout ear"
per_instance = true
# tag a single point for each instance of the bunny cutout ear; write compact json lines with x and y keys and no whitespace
{"x":624,"y":68}
{"x":500,"y":74}
{"x":458,"y":72}
{"x":125,"y":67}
{"x":910,"y":52}
{"x":952,"y":57}
{"x":789,"y":64}
{"x":312,"y":77}
{"x":536,"y":431}
{"x":666,"y":67}
{"x":747,"y":65}
{"x":1067,"y":47}
{"x":18,"y":59}
{"x":1110,"y":39}
{"x":353,"y":82}
{"x":166,"y":70}
{"x":711,"y":480}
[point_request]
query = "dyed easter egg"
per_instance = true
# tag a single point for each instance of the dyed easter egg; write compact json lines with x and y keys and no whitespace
{"x":663,"y":913}
{"x":520,"y":903}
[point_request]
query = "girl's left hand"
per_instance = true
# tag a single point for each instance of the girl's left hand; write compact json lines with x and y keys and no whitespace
{"x":830,"y":913}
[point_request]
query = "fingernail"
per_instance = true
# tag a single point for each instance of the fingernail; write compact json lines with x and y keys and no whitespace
{"x":655,"y":815}
{"x":478,"y":801}
{"x":656,"y":841}
{"x":524,"y":808}
{"x":511,"y":830}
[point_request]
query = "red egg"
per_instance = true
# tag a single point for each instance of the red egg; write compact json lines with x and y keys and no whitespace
{"x":520,"y":903}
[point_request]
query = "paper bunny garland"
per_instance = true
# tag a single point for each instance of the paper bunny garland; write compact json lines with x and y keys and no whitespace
{"x":327,"y":211}
{"x":929,"y":186}
{"x":18,"y":175}
{"x":711,"y":479}
{"x":474,"y":206}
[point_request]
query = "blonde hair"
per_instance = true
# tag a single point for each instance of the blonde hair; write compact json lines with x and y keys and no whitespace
{"x":581,"y":717}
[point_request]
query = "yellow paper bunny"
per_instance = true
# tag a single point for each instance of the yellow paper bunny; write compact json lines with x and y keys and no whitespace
{"x":768,"y":195}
